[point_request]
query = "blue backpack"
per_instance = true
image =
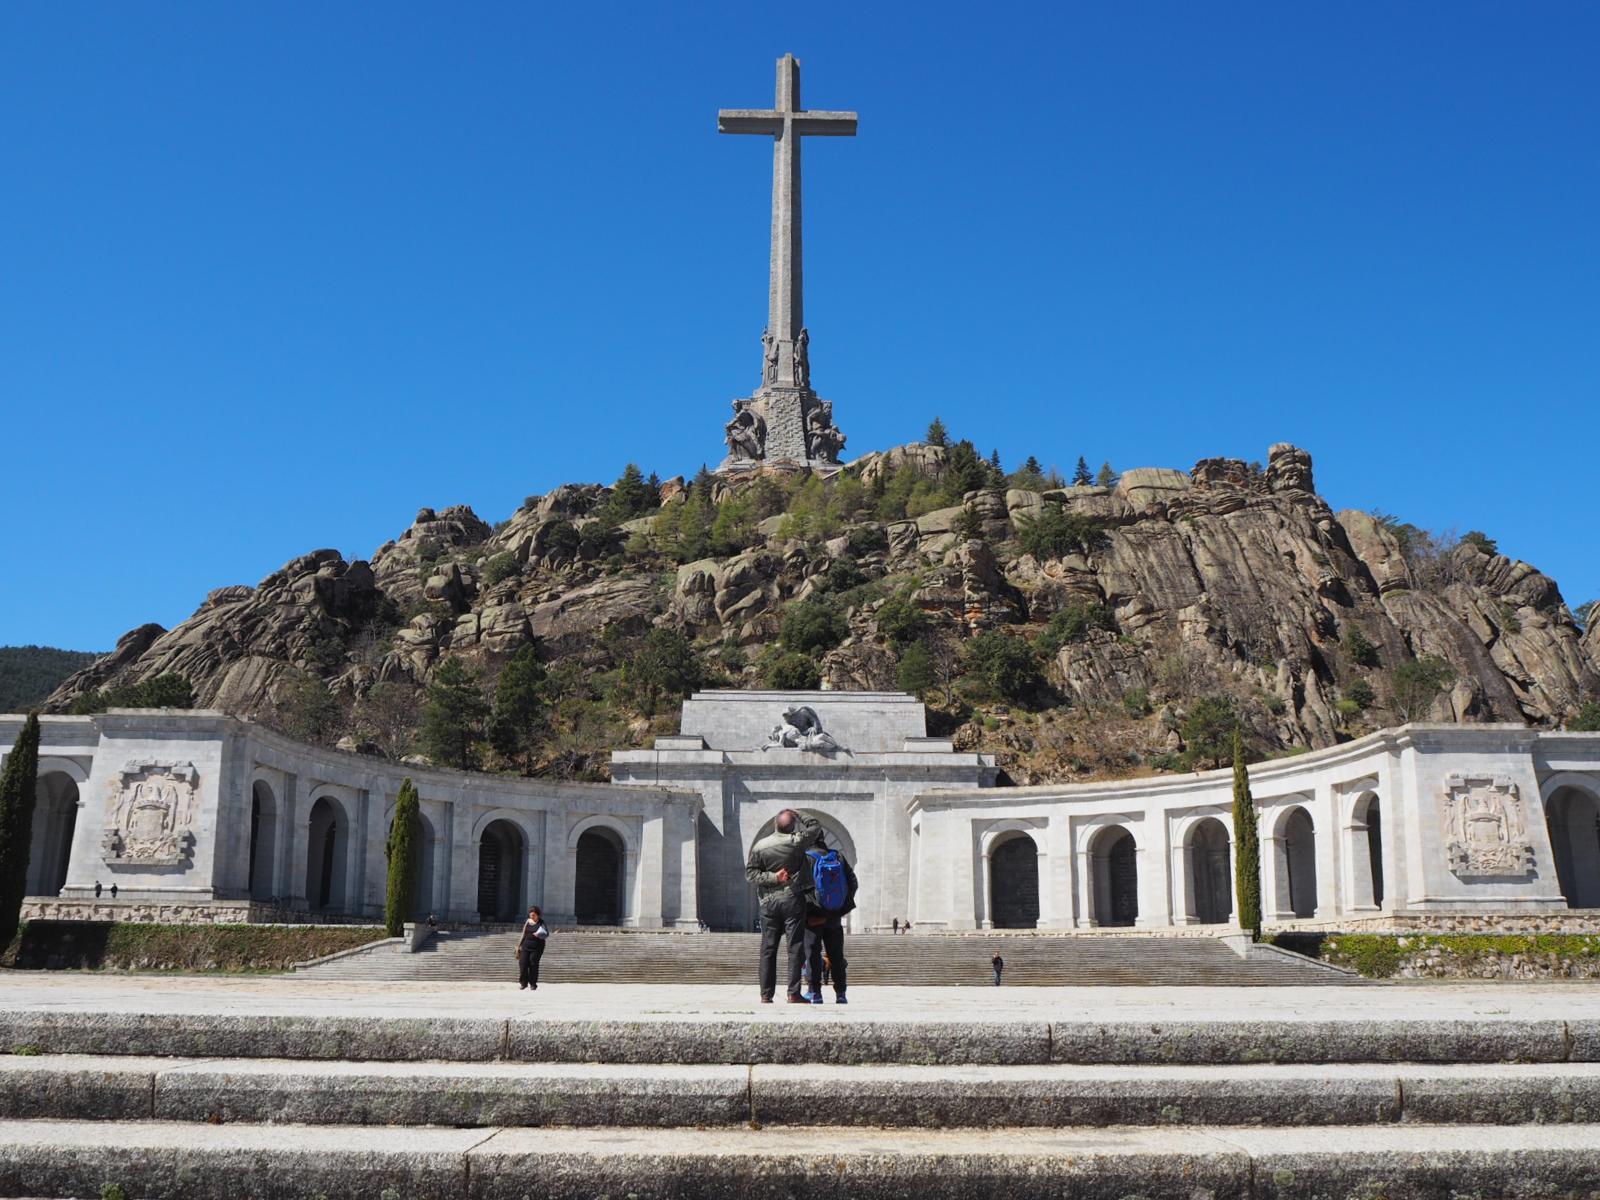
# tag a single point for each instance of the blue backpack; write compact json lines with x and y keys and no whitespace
{"x":827,"y":874}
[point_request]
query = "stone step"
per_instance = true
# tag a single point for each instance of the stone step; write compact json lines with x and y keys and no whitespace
{"x":198,"y":1161}
{"x":858,"y":1034}
{"x":874,"y":959}
{"x":74,"y":1087}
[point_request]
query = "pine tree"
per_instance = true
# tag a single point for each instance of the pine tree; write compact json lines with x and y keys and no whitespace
{"x":1246,"y":845}
{"x":703,"y":479}
{"x":936,"y":434}
{"x":916,"y":673}
{"x":405,"y":835}
{"x":518,"y":725}
{"x":1081,"y":476}
{"x":1032,"y":467}
{"x":18,"y":783}
{"x":1107,"y":477}
{"x":630,"y":495}
{"x":452,"y":722}
{"x":652,"y":487}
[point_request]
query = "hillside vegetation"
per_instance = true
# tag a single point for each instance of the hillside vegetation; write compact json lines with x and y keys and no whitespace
{"x":28,"y":674}
{"x":1109,"y":625}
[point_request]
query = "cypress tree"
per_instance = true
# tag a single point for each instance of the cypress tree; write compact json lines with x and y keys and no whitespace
{"x":1246,"y":846}
{"x":17,"y":794}
{"x":401,"y":852}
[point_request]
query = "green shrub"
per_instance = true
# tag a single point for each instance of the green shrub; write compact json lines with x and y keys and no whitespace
{"x":1346,"y":708}
{"x":1476,"y":537}
{"x":1246,"y":845}
{"x":1074,"y":623}
{"x":1416,"y":685}
{"x":1362,"y":652}
{"x":1056,"y":532}
{"x":868,"y":539}
{"x":1136,"y":702}
{"x":789,"y":671}
{"x":1004,"y":664}
{"x":1208,"y":731}
{"x":500,"y":567}
{"x":916,"y":672}
{"x":1586,"y":719}
{"x":400,"y":854}
{"x":810,"y":626}
{"x":901,"y":620}
{"x":842,"y":575}
{"x":167,"y":690}
{"x":1361,"y":694}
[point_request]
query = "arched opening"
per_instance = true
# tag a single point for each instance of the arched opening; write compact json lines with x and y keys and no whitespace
{"x":327,"y":842}
{"x":1210,"y":873}
{"x":1014,"y":883}
{"x":597,"y":892}
{"x":263,"y":841}
{"x":1372,"y":816}
{"x":1114,"y":877}
{"x":1574,"y":820}
{"x":1300,"y":862}
{"x":55,"y":817}
{"x":500,"y":871}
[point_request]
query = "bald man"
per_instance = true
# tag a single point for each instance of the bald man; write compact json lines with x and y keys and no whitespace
{"x":777,"y":868}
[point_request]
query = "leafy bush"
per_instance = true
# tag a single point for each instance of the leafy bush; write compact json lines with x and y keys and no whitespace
{"x":1416,"y":685}
{"x":789,"y":671}
{"x":868,"y":539}
{"x":501,"y":567}
{"x":1476,"y":537}
{"x":1586,"y":719}
{"x":811,"y":626}
{"x":1362,"y":652}
{"x":664,"y":668}
{"x":1208,"y":731}
{"x":1056,"y":532}
{"x":1004,"y":664}
{"x":561,"y":539}
{"x":901,"y":620}
{"x":1361,"y":694}
{"x":1074,"y":623}
{"x":1136,"y":702}
{"x":917,"y":672}
{"x":597,"y":539}
{"x":167,"y":690}
{"x":842,"y":575}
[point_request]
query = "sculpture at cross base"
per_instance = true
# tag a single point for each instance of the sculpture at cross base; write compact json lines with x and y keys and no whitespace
{"x":787,"y":422}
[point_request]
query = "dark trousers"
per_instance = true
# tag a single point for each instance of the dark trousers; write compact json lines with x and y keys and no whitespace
{"x":783,"y":916}
{"x":529,"y":963}
{"x":828,"y":936}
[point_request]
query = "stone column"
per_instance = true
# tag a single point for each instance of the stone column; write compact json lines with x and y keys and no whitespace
{"x":358,"y":903}
{"x":290,"y":850}
{"x":558,"y":869}
{"x":1330,"y":853}
{"x":1084,"y":918}
{"x":533,"y":885}
{"x":652,"y":871}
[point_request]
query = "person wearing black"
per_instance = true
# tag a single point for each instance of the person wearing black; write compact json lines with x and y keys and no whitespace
{"x":999,"y":964}
{"x":825,"y":931}
{"x":530,"y":948}
{"x":776,"y":867}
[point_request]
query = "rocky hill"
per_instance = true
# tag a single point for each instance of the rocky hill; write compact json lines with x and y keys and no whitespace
{"x":1135,"y":602}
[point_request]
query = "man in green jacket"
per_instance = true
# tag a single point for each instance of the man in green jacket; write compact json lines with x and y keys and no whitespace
{"x":777,"y":867}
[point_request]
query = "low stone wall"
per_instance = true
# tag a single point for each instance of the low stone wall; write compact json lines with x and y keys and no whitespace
{"x":163,"y":912}
{"x":1508,"y":956}
{"x":1572,"y":920}
{"x":142,"y":946}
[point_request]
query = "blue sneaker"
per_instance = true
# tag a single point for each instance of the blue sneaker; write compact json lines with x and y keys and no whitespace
{"x":815,"y":997}
{"x":840,"y":999}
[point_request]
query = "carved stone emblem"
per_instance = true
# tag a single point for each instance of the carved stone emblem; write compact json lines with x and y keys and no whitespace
{"x":152,"y":814}
{"x":801,"y":729}
{"x":1486,"y":832}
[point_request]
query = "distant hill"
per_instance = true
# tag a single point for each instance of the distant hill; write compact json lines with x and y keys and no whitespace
{"x":30,"y":673}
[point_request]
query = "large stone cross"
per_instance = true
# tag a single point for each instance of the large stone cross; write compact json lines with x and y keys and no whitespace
{"x":785,"y":362}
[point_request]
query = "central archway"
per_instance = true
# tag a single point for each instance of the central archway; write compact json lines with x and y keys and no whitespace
{"x":837,"y":838}
{"x":1014,"y":883}
{"x":1114,"y":877}
{"x":1209,"y":870}
{"x":597,"y":889}
{"x":502,"y":852}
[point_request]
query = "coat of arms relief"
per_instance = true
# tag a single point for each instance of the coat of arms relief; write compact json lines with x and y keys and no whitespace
{"x":152,"y":814}
{"x":1486,"y":832}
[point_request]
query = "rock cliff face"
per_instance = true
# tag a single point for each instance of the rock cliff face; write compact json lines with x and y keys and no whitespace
{"x":1224,"y":579}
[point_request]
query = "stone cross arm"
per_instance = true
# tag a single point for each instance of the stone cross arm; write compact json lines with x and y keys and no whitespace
{"x":771,"y":121}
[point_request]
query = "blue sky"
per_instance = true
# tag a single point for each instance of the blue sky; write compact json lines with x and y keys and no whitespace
{"x":274,"y":276}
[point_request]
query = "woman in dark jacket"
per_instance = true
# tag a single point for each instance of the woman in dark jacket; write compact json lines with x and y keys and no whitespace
{"x":530,"y":949}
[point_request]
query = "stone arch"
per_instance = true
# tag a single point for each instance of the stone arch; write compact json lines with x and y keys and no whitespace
{"x":599,"y":895}
{"x":502,"y":867}
{"x":1114,"y":877}
{"x":1296,"y":866}
{"x":1013,"y":862}
{"x":1572,"y":813}
{"x":263,"y":842}
{"x":1208,"y":850}
{"x":1366,"y":851}
{"x":327,"y":849}
{"x":55,"y":819}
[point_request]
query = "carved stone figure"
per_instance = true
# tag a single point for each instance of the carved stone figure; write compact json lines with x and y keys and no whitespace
{"x":152,"y":814}
{"x":746,"y":433}
{"x":826,"y":442}
{"x":1486,"y":834}
{"x":769,"y":357}
{"x":802,"y":359}
{"x":801,"y":729}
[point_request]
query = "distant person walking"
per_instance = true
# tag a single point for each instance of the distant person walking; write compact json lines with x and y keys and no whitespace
{"x":530,"y":947}
{"x":999,"y":965}
{"x":896,"y":925}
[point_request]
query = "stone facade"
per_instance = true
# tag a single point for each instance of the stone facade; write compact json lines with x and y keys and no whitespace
{"x":201,"y":817}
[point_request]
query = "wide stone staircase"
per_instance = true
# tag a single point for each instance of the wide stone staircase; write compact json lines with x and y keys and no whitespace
{"x":231,"y":1105}
{"x":592,"y":956}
